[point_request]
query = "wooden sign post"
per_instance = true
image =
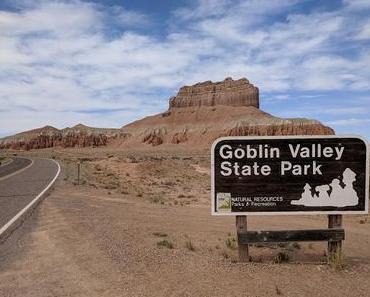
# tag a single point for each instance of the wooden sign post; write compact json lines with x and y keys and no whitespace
{"x":78,"y":172}
{"x":241,"y":228}
{"x":334,"y":247}
{"x":292,"y":175}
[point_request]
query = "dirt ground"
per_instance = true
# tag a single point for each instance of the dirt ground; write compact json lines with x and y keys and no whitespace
{"x":138,"y":223}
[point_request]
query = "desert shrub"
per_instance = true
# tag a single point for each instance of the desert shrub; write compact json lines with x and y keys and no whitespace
{"x":230,"y":243}
{"x":278,"y":291}
{"x":296,"y":245}
{"x":155,"y":199}
{"x":190,"y":246}
{"x":165,"y":243}
{"x":281,"y":257}
{"x":160,"y":234}
{"x":225,"y":254}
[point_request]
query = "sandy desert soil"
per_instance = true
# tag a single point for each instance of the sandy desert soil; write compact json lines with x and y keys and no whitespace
{"x":139,"y":224}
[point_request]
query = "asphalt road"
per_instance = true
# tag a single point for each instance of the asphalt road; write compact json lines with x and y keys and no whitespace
{"x":19,"y":189}
{"x":17,"y":164}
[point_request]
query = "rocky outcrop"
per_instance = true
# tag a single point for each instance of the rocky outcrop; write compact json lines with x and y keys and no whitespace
{"x":201,"y":113}
{"x":77,"y":136}
{"x":197,"y":116}
{"x":200,"y":126}
{"x":228,"y":92}
{"x":280,"y":128}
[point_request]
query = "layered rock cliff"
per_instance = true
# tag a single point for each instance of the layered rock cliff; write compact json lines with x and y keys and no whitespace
{"x":48,"y":136}
{"x":228,"y":93}
{"x":197,"y":115}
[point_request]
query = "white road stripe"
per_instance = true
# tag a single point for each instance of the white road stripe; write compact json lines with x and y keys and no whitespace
{"x":29,"y":206}
{"x":6,"y":163}
{"x":18,"y":171}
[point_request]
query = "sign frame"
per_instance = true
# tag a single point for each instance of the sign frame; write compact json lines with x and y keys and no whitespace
{"x":333,"y":212}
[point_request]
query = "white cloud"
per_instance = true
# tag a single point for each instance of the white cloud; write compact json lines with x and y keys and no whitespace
{"x":357,"y":4}
{"x":364,"y":32}
{"x":349,"y":122}
{"x":61,"y":57}
{"x":346,"y":110}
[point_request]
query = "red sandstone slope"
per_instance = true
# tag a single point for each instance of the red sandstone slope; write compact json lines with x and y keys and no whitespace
{"x":197,"y":115}
{"x":77,"y":136}
{"x":201,"y":113}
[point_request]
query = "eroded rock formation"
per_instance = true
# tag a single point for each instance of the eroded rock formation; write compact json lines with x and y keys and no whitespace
{"x":48,"y":136}
{"x":228,"y":92}
{"x":197,"y":115}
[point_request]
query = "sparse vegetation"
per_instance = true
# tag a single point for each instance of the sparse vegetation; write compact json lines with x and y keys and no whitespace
{"x":230,"y":242}
{"x":225,"y":254}
{"x":165,"y":243}
{"x":189,"y":245}
{"x":281,"y":257}
{"x":160,"y":234}
{"x":155,"y":199}
{"x":296,"y":245}
{"x":278,"y":291}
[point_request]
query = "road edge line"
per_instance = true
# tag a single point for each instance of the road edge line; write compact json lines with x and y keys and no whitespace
{"x":7,"y":163}
{"x":18,"y":219}
{"x":18,"y":171}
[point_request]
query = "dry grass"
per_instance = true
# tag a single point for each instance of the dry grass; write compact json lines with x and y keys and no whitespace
{"x":281,"y":257}
{"x":165,"y":243}
{"x":190,"y":246}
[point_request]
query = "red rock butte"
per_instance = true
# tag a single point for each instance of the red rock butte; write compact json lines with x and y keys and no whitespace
{"x":228,"y":92}
{"x":197,"y":116}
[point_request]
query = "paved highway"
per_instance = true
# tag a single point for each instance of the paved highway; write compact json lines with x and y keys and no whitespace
{"x":21,"y":182}
{"x":12,"y":167}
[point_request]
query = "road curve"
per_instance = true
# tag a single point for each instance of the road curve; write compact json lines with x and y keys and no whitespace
{"x":20,"y":190}
{"x":13,"y":167}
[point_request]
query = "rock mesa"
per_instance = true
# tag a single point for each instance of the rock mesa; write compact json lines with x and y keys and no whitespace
{"x":196,"y":116}
{"x":228,"y":93}
{"x":199,"y":114}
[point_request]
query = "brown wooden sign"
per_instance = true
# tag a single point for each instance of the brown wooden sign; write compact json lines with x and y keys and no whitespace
{"x":290,"y":175}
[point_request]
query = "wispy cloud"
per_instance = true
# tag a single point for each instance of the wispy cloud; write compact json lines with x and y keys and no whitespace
{"x":346,"y":110}
{"x":64,"y":61}
{"x":349,"y":122}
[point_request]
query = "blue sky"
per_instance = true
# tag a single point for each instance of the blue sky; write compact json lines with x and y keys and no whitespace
{"x":107,"y":63}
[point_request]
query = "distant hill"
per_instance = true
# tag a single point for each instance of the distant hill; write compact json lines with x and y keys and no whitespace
{"x":197,"y":115}
{"x":48,"y":136}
